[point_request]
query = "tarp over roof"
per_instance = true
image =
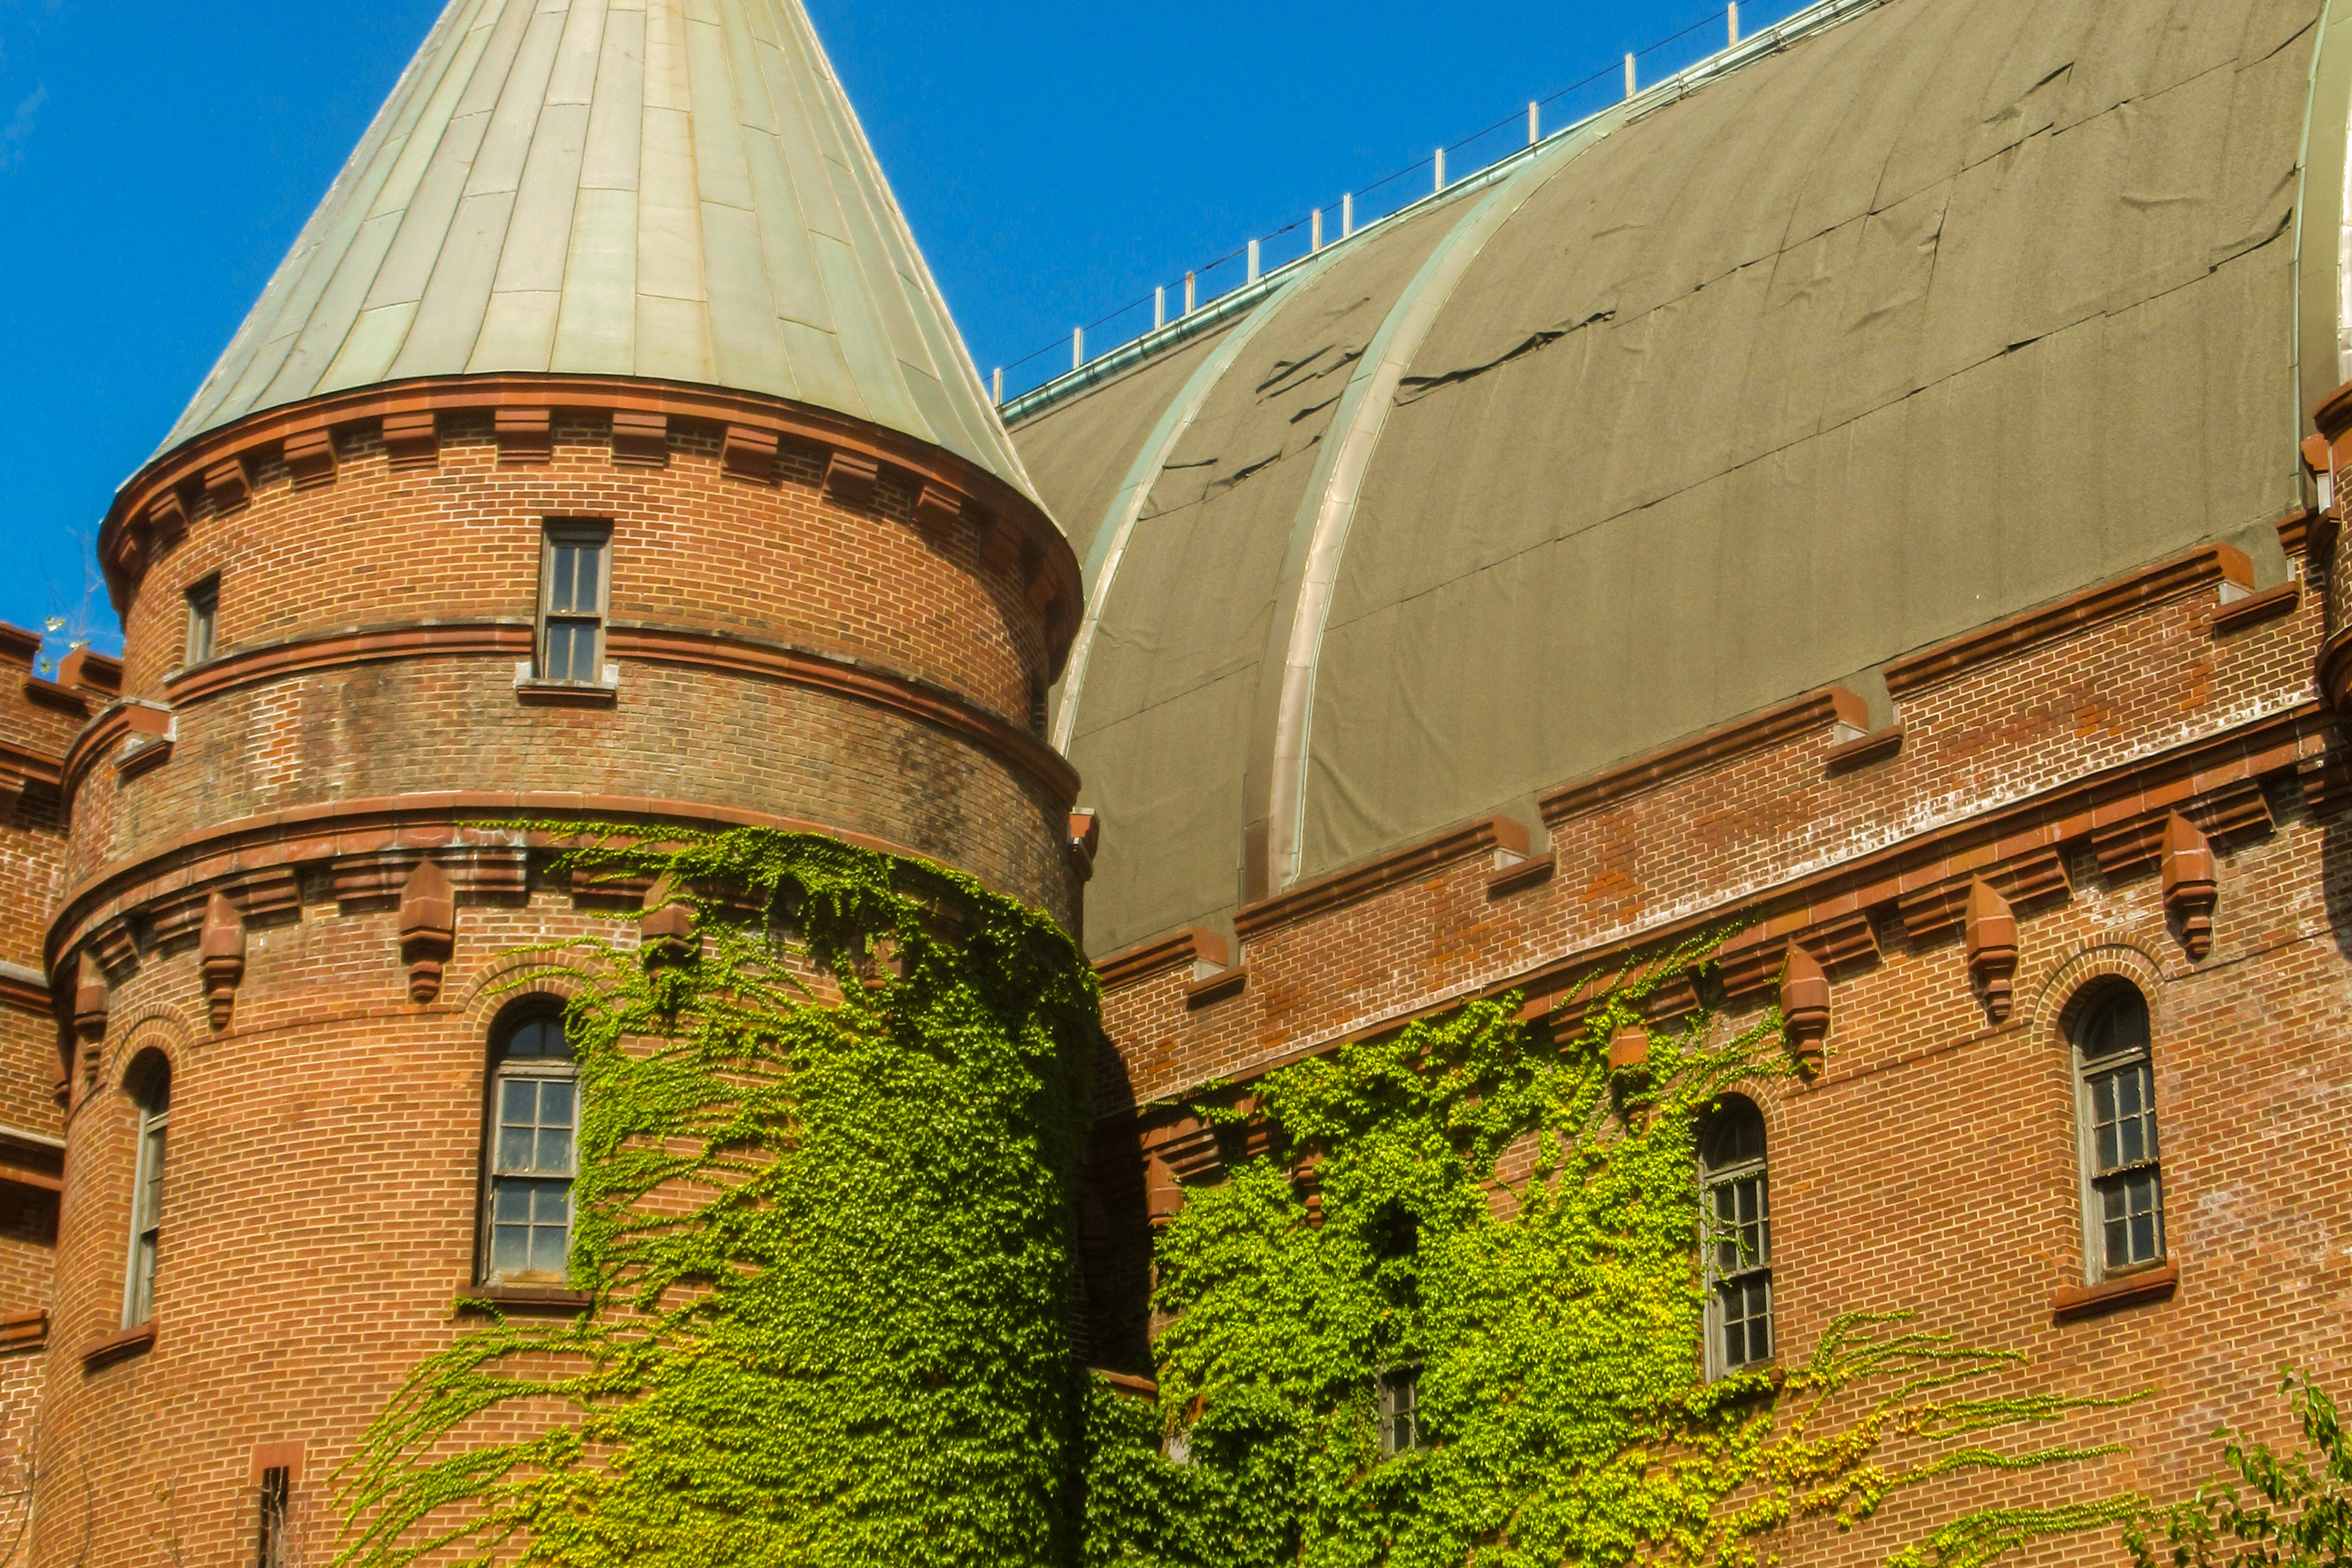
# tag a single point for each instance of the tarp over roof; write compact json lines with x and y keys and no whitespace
{"x":1930,"y":316}
{"x":675,"y":189}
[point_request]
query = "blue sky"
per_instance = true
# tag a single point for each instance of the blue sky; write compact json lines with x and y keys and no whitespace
{"x":1057,"y":159}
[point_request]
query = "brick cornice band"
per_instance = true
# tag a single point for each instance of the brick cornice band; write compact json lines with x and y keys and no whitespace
{"x":2063,"y":618}
{"x":1475,"y":837}
{"x":1770,"y":727}
{"x":268,"y":847}
{"x":158,"y":497}
{"x":1190,"y":946}
{"x":679,"y":645}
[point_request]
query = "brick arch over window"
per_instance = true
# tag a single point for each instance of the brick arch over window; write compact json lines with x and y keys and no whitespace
{"x":516,"y":979}
{"x":2057,"y":994}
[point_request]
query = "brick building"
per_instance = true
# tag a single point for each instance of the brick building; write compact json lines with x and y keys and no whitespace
{"x":1867,"y":485}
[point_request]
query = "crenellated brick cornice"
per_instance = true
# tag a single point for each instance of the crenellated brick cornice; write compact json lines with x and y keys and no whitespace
{"x":154,"y":506}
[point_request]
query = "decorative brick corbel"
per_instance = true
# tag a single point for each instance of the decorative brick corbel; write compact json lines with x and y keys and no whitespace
{"x":167,"y":514}
{"x":412,"y":440}
{"x":1804,"y":1008}
{"x":937,"y":511}
{"x":1629,"y":1053}
{"x":640,"y":440}
{"x":2189,"y":890}
{"x":667,"y":934}
{"x":749,"y":453}
{"x":90,"y":1001}
{"x":310,"y":458}
{"x":1000,"y":545}
{"x":524,"y":434}
{"x":849,"y":477}
{"x":228,"y":483}
{"x":1086,"y":837}
{"x":133,"y":546}
{"x":1992,"y":947}
{"x":428,"y":929}
{"x":221,"y":951}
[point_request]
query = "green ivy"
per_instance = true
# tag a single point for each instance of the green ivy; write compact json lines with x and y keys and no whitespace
{"x":823,"y":1216}
{"x":1517,"y":1221}
{"x":2296,"y":1512}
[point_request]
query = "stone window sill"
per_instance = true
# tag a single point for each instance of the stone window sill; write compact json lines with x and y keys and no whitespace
{"x":115,"y":1347}
{"x":523,"y":1298}
{"x":2145,"y":1285}
{"x":568,"y":693}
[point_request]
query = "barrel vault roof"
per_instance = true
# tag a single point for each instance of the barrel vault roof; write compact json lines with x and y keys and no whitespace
{"x":672,"y":189}
{"x":1913,"y":322}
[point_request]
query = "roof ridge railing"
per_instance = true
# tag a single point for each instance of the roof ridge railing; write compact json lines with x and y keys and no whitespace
{"x":1194,"y":317}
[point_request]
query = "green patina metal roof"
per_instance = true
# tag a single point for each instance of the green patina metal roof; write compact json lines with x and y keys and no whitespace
{"x":675,"y":189}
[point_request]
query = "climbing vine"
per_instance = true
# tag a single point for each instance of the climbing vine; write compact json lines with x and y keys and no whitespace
{"x":822,"y":1222}
{"x":821,"y":1216}
{"x":1514,"y":1220}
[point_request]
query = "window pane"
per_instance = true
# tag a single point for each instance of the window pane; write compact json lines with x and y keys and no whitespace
{"x":509,"y":1249}
{"x":559,"y":594}
{"x":556,"y":1104}
{"x":512,"y":1202}
{"x":515,"y":1147}
{"x":554,"y":1153}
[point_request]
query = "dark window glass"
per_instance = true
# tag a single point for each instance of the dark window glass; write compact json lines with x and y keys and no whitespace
{"x":277,"y":1498}
{"x":204,"y":620}
{"x":534,"y":1122}
{"x":1399,"y":1409}
{"x":571,"y":603}
{"x":154,"y":1103}
{"x":1737,"y":1216}
{"x":2124,"y":1200}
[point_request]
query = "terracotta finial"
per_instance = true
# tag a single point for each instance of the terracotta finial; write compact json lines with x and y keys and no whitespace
{"x":428,"y":928}
{"x":2189,"y":890}
{"x":221,"y":950}
{"x":1804,"y":1007}
{"x":1992,"y":946}
{"x":666,"y":933}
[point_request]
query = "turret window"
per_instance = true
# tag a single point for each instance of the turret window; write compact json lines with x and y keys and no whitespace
{"x":204,"y":622}
{"x":572,"y":597}
{"x":2123,"y":1182}
{"x":152,"y":1097}
{"x":533,"y":1127}
{"x":1737,"y":1216}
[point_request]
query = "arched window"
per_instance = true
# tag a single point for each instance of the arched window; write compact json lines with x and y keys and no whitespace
{"x":528,"y":1165}
{"x":151,"y":1093}
{"x":1737,"y":1217}
{"x":2123,"y":1186}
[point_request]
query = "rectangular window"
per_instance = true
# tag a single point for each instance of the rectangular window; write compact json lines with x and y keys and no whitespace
{"x":1399,"y":1409}
{"x":2125,"y":1175}
{"x":572,"y":597}
{"x":146,"y":1219}
{"x":277,"y":1498}
{"x":204,"y":621}
{"x":531,"y":1178}
{"x":1740,"y":1260}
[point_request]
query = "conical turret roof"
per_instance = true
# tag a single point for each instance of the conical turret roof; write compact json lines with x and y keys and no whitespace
{"x":675,"y":189}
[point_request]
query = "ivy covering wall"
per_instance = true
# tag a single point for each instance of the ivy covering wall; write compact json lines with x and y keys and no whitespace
{"x":823,"y":1221}
{"x":823,"y":1216}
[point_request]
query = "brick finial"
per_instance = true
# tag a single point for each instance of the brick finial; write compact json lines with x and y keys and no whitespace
{"x":90,"y":1003}
{"x":1992,"y":946}
{"x":221,"y":949}
{"x":2189,"y":890}
{"x":1804,"y":1007}
{"x":428,"y":928}
{"x":666,"y":933}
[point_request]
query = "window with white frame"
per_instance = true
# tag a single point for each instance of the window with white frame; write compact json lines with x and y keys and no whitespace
{"x":2123,"y":1184}
{"x":534,"y":1115}
{"x":573,"y":585}
{"x":1737,"y":1214}
{"x":152,"y":1095}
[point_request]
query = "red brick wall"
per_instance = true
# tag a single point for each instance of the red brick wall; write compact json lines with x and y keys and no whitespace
{"x":1932,"y":1168}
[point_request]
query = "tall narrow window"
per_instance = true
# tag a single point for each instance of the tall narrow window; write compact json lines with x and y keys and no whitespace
{"x":2123,"y":1186}
{"x":204,"y":621}
{"x":1737,"y":1216}
{"x":277,"y":1498}
{"x":1399,"y":1409}
{"x":571,"y":598}
{"x":153,"y":1099}
{"x":534,"y":1116}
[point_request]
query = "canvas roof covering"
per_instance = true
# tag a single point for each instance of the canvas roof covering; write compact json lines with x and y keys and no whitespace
{"x":1932,"y":315}
{"x":672,"y":189}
